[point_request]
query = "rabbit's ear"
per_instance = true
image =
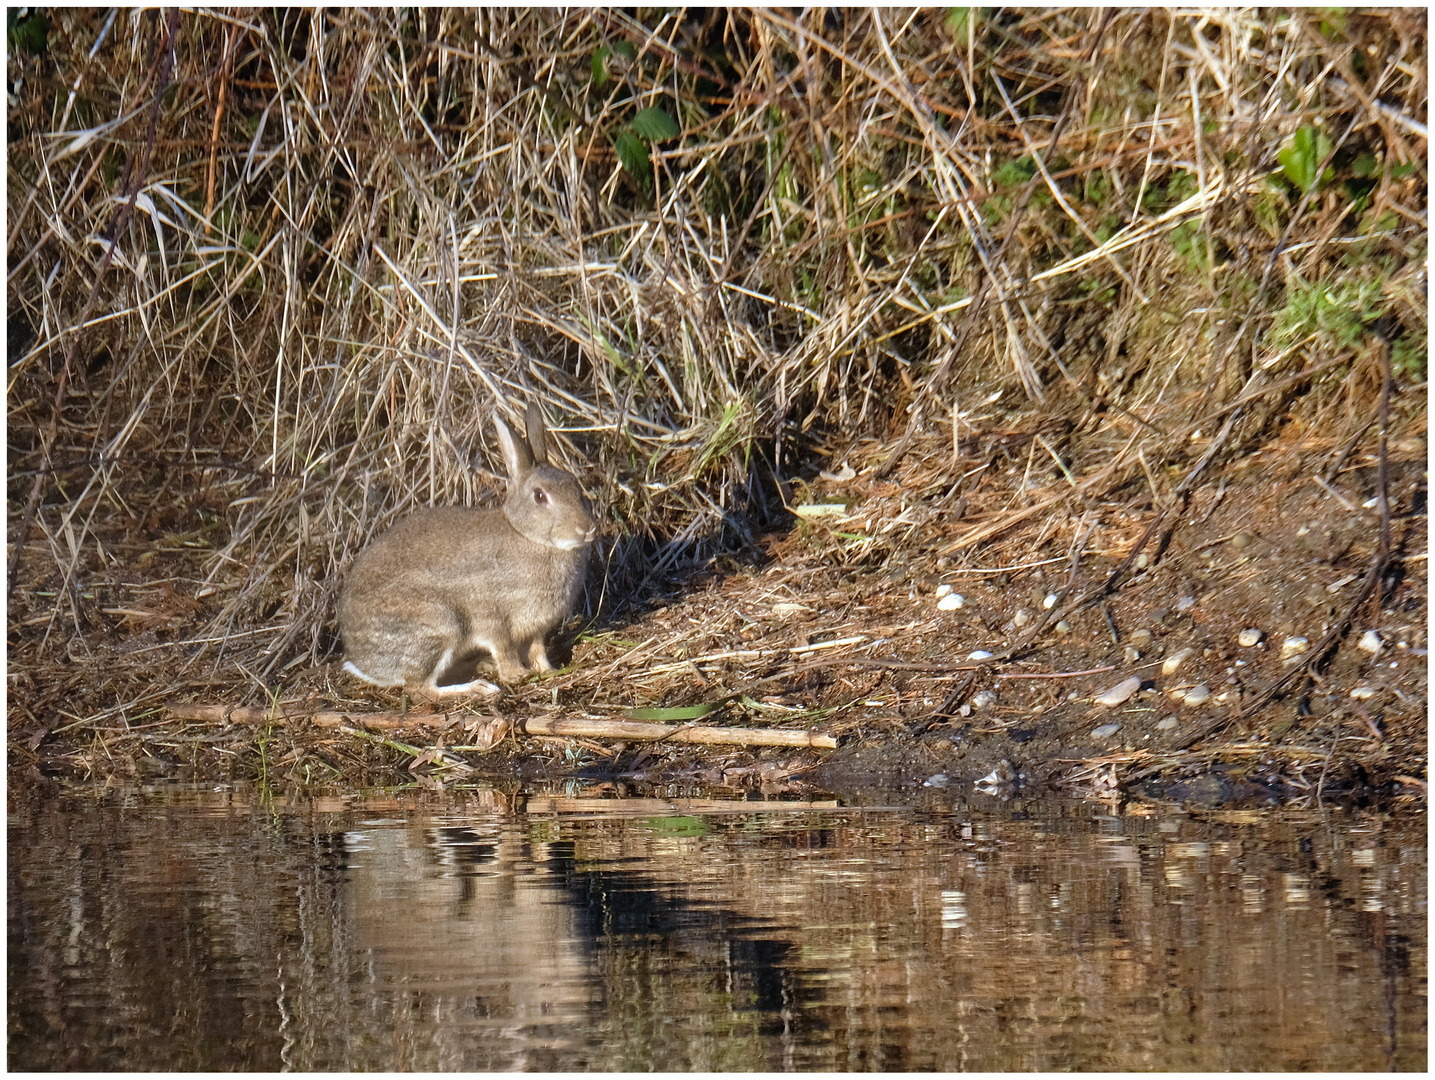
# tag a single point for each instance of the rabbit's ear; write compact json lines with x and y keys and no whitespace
{"x":515,"y":451}
{"x":537,"y":437}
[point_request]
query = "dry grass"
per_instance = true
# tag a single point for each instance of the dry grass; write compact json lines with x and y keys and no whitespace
{"x":270,"y":277}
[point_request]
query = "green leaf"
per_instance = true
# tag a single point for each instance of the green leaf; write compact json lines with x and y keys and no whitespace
{"x":655,"y":125}
{"x":685,"y":712}
{"x":633,"y":153}
{"x":960,"y":22}
{"x":1300,"y":160}
{"x":599,"y":66}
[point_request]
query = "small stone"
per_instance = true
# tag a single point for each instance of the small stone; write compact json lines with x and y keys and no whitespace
{"x":979,"y":654}
{"x":1166,"y":723}
{"x":942,"y":590}
{"x":1062,"y":627}
{"x":1141,"y":638}
{"x":1022,"y":617}
{"x":1122,"y":691}
{"x":1198,"y":694}
{"x":1161,"y":614}
{"x":1172,"y":663}
{"x":1363,"y":693}
{"x":1132,"y":654}
{"x":1049,"y":601}
{"x":1143,"y":561}
{"x":1241,"y":541}
{"x":951,"y":602}
{"x":1185,"y":604}
{"x":1292,"y":646}
{"x":1250,"y":636}
{"x":1105,"y":731}
{"x":983,"y":699}
{"x":941,"y":779}
{"x":1370,"y":642}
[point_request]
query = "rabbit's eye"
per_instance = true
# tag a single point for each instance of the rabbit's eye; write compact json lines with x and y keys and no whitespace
{"x":540,"y":496}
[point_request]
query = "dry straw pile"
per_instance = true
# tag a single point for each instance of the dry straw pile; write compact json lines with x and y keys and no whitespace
{"x":272,"y":271}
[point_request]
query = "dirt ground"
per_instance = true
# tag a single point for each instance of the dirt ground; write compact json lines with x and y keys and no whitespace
{"x":866,"y":625}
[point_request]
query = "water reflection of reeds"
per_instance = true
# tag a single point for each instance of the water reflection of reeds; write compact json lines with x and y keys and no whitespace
{"x":209,"y":932}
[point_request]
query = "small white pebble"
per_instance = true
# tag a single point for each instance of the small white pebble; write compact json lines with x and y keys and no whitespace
{"x":1363,"y":693}
{"x":1166,"y":724}
{"x":1105,"y":731}
{"x":942,"y":590}
{"x":941,"y":779}
{"x":980,"y":654}
{"x":1370,"y":642}
{"x":1050,"y":601}
{"x":1120,"y":692}
{"x":1062,"y":627}
{"x":1143,"y":561}
{"x":983,"y":699}
{"x":1132,"y":654}
{"x":1250,"y":636}
{"x":1022,"y":617}
{"x":1371,"y":504}
{"x":1172,"y":663}
{"x":1198,"y":694}
{"x":1293,"y":645}
{"x":1186,"y":603}
{"x":950,"y":602}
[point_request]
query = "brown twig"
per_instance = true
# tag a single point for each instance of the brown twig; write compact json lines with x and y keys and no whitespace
{"x":532,"y":725}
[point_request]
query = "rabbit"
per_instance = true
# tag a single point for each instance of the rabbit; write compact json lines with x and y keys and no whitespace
{"x":420,"y":602}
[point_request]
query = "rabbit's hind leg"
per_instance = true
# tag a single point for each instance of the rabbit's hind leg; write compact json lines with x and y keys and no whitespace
{"x":401,"y":648}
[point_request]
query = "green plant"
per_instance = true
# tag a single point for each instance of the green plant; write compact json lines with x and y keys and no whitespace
{"x":1338,"y":311}
{"x":1189,"y":240}
{"x":1410,"y":358}
{"x":1301,"y":159}
{"x":962,"y":23}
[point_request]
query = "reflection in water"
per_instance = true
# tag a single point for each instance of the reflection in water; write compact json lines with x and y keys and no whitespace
{"x":188,"y":930}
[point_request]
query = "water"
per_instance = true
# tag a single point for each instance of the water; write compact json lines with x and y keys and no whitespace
{"x":179,"y":929}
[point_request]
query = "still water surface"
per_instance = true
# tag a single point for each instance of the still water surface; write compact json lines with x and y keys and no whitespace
{"x":182,"y":929}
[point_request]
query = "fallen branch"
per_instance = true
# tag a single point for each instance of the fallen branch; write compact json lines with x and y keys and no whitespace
{"x":537,"y":725}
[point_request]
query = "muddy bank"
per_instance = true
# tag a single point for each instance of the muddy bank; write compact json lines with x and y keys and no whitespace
{"x":1162,"y":689}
